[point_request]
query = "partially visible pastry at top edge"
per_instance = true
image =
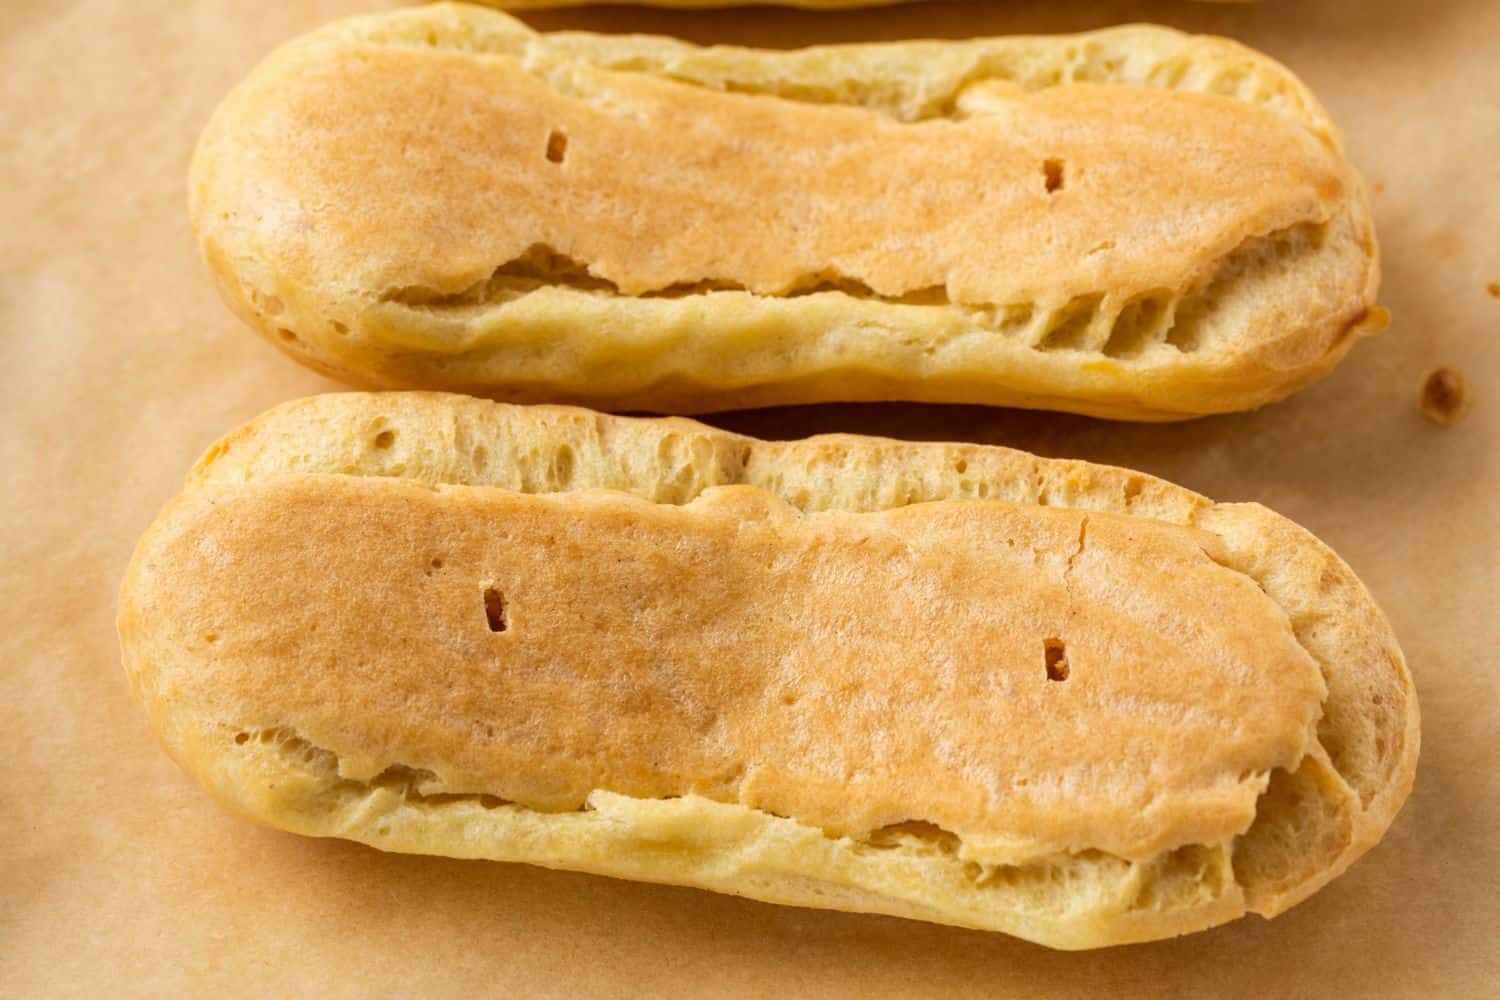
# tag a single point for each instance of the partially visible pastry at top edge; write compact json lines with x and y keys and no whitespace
{"x":688,"y":4}
{"x":1132,"y":223}
{"x":952,"y":682}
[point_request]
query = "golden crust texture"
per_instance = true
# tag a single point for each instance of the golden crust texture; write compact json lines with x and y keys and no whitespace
{"x":1131,"y":223}
{"x":689,"y":4}
{"x":951,"y":682}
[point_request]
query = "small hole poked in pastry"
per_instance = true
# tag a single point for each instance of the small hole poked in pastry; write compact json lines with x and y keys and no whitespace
{"x":494,"y":609}
{"x":1055,"y":655}
{"x":1052,"y":173}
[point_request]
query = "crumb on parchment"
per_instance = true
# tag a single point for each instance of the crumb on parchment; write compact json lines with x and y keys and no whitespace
{"x":1445,"y":396}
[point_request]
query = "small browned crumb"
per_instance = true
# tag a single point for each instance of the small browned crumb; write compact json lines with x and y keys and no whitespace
{"x":1445,"y":397}
{"x":1378,"y":187}
{"x":1494,"y":289}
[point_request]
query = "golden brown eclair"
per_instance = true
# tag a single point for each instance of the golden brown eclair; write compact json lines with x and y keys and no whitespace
{"x":689,"y":4}
{"x":1132,"y":223}
{"x":957,"y":683}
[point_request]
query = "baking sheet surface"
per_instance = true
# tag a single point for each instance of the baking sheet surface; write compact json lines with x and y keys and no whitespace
{"x":118,"y":365}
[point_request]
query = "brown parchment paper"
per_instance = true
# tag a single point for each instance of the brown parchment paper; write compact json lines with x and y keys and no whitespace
{"x":118,"y":365}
